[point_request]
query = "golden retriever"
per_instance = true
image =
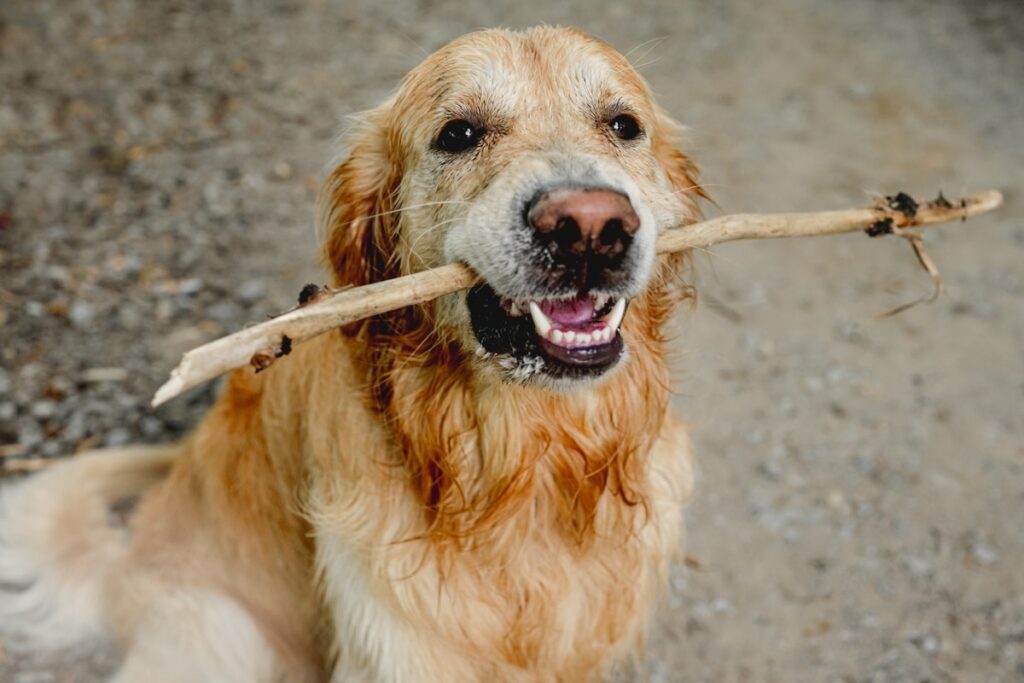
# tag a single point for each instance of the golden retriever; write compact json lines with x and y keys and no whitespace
{"x":485,"y":488}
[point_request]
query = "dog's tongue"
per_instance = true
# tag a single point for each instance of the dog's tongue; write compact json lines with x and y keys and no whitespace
{"x":570,"y":311}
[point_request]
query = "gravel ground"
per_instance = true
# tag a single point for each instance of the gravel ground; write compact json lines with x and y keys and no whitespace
{"x":861,"y":482}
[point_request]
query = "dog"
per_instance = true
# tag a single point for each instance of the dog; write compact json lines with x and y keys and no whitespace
{"x":488,"y":487}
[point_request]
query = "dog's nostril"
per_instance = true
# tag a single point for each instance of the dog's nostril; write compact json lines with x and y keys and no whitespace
{"x":568,"y":236}
{"x":612,"y":232}
{"x":566,"y":225}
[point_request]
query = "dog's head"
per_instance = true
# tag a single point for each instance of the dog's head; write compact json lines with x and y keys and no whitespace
{"x":540,"y":160}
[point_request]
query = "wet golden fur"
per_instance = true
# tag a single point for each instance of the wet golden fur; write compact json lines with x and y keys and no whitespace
{"x":381,"y":507}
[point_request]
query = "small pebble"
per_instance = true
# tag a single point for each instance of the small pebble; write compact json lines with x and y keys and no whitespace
{"x":917,"y":566}
{"x":928,"y":644}
{"x":8,"y":410}
{"x":44,"y":410}
{"x":190,"y":286}
{"x":152,"y":427}
{"x":224,"y":311}
{"x":51,"y":448}
{"x":981,"y":644}
{"x":282,"y":170}
{"x":82,"y":313}
{"x":117,"y":437}
{"x":29,"y":434}
{"x":251,"y":291}
{"x":984,"y":554}
{"x":860,"y":91}
{"x":814,"y":384}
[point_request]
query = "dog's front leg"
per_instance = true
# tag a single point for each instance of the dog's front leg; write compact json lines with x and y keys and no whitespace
{"x":374,"y":640}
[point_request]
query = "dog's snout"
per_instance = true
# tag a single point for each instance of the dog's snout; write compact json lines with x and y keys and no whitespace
{"x":584,"y":226}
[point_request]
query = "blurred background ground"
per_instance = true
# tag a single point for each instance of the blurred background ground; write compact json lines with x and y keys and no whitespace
{"x":860,"y":499}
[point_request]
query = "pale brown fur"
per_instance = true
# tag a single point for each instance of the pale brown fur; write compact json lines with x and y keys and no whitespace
{"x":384,"y":507}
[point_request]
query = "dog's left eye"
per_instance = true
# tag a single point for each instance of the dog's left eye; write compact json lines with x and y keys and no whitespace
{"x":458,"y":136}
{"x":625,"y":127}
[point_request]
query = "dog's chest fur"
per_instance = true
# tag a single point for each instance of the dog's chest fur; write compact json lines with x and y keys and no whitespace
{"x":480,"y":535}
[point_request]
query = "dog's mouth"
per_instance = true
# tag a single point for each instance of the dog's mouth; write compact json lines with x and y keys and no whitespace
{"x":562,"y":337}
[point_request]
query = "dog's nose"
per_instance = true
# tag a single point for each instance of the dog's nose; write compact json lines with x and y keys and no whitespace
{"x":584,"y":227}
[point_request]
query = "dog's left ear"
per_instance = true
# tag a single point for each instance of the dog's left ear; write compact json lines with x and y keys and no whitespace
{"x":354,"y":209}
{"x":682,"y":172}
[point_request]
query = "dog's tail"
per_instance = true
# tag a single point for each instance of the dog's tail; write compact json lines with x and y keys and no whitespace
{"x":58,"y":538}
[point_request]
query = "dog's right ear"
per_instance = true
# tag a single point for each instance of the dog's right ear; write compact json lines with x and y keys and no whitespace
{"x":354,"y":208}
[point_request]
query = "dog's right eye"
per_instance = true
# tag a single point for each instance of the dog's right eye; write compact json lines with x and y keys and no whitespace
{"x":458,"y":136}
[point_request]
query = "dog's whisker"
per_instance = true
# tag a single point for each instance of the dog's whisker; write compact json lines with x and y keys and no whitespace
{"x":714,"y":255}
{"x":697,"y":186}
{"x":643,"y":65}
{"x":650,"y":44}
{"x":409,"y":39}
{"x":412,"y":207}
{"x":424,"y":233}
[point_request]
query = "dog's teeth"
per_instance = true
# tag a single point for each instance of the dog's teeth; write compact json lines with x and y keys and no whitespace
{"x":540,"y":321}
{"x":614,"y":318}
{"x":575,"y":338}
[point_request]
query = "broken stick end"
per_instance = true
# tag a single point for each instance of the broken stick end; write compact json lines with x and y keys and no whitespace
{"x":988,"y":200}
{"x":168,"y":390}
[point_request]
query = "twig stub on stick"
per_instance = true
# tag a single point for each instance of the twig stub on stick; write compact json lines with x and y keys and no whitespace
{"x":908,"y":207}
{"x":320,"y":310}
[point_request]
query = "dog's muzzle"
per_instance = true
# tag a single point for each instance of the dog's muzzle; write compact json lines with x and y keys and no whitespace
{"x":581,"y":273}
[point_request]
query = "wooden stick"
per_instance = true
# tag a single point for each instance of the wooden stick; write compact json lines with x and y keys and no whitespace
{"x":261,"y":344}
{"x":19,"y":465}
